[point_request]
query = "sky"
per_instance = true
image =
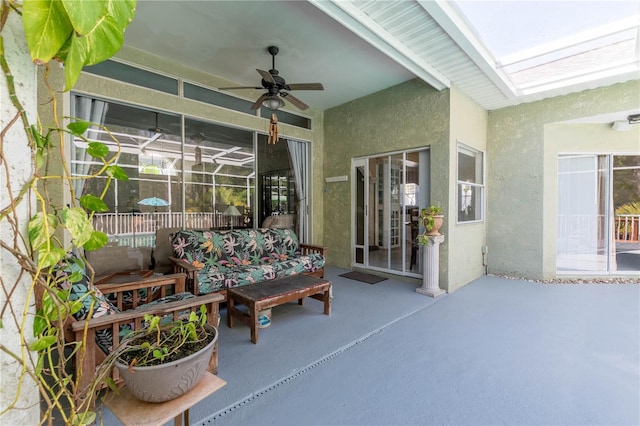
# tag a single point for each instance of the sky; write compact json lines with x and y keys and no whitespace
{"x":508,"y":27}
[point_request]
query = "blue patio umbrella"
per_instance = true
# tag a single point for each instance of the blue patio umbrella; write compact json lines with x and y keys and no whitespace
{"x":154,"y":201}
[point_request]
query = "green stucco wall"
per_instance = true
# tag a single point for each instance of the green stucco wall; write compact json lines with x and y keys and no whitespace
{"x":466,"y":240}
{"x":410,"y":115}
{"x":522,"y":168}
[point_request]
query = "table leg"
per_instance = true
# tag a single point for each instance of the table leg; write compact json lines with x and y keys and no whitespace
{"x":182,"y":419}
{"x":327,"y":301}
{"x":301,"y":301}
{"x":230,"y":308}
{"x":253,"y":320}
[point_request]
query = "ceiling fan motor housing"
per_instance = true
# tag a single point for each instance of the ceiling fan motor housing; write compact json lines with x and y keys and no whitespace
{"x":276,"y":85}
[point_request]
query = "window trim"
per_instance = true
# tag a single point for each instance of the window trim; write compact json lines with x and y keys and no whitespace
{"x":461,"y":147}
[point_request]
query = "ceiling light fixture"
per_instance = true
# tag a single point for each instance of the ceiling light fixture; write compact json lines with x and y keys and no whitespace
{"x":273,"y":102}
{"x":620,"y":126}
{"x":634,"y":118}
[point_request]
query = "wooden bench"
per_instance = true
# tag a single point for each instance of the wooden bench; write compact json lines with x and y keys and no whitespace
{"x":273,"y":293}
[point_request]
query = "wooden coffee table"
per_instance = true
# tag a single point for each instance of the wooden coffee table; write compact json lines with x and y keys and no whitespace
{"x":272,"y":293}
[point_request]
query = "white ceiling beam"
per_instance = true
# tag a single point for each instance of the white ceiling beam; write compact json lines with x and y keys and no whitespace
{"x":352,"y":18}
{"x":456,"y":26}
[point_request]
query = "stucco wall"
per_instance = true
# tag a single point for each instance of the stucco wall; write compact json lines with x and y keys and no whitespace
{"x":466,"y":240}
{"x":410,"y":115}
{"x":521,"y":216}
{"x":15,"y":387}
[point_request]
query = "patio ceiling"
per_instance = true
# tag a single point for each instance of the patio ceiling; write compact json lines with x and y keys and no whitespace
{"x":358,"y":48}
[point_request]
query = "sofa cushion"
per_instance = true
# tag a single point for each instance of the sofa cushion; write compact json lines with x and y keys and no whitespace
{"x":235,"y":247}
{"x":238,"y":275}
{"x":240,"y":257}
{"x":72,"y":277}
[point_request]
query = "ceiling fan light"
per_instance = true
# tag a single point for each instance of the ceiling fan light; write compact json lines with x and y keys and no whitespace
{"x":634,"y":118}
{"x":273,"y":102}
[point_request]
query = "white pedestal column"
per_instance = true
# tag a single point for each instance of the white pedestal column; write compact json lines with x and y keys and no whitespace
{"x":431,"y":269}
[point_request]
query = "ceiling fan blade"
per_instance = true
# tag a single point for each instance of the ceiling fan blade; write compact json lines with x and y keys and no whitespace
{"x":266,"y":76}
{"x":257,"y":104}
{"x":304,"y":86}
{"x":240,"y":87}
{"x":295,"y":101}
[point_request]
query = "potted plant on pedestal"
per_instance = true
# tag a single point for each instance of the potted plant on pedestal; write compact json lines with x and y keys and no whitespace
{"x":165,"y":361}
{"x":432,"y":218}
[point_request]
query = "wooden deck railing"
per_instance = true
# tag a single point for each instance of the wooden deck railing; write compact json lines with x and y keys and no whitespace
{"x":147,"y":223}
{"x":627,"y":227}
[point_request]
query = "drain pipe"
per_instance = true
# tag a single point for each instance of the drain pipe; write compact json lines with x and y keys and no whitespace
{"x":485,"y":254}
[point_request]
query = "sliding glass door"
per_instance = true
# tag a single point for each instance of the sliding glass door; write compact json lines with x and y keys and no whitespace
{"x":387,"y":194}
{"x":598,"y":213}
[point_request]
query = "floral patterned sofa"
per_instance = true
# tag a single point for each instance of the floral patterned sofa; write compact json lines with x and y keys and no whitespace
{"x":218,"y":260}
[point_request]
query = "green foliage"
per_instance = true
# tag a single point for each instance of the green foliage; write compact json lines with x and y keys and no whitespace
{"x":159,"y":342}
{"x":77,"y":33}
{"x":427,"y":218}
{"x":427,"y":214}
{"x":630,"y":208}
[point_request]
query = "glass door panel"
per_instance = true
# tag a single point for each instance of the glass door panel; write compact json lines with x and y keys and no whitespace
{"x":583,"y":237}
{"x":387,"y":191}
{"x":626,"y":223}
{"x":378,"y":248}
{"x":397,"y":218}
{"x":360,"y":185}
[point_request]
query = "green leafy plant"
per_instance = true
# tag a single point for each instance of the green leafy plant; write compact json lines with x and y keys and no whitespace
{"x":629,"y":208}
{"x":427,"y":216}
{"x":159,"y":343}
{"x":75,"y":33}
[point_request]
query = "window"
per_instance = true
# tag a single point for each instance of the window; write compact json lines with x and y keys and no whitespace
{"x":470,"y":184}
{"x":133,"y":75}
{"x":191,"y":91}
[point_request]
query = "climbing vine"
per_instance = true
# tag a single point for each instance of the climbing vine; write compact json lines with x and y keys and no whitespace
{"x":75,"y":33}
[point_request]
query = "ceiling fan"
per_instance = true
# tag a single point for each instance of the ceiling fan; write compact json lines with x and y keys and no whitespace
{"x":277,"y":86}
{"x":157,"y":133}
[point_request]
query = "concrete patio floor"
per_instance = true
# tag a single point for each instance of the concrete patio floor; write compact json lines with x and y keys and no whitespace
{"x":497,"y":351}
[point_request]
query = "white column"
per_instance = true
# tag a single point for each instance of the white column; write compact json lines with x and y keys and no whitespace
{"x":431,"y":270}
{"x":17,"y":387}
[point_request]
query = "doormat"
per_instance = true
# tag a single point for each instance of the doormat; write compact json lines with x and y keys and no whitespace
{"x":361,"y":276}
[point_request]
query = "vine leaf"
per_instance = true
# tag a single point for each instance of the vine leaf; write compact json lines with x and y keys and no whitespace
{"x":42,"y":343}
{"x":99,"y":44}
{"x":117,"y":172}
{"x":98,"y":149}
{"x":76,"y":221}
{"x":50,"y":257}
{"x":93,"y":203}
{"x":123,"y":11}
{"x":77,"y":32}
{"x":41,"y":228}
{"x":84,"y":14}
{"x":46,"y":27}
{"x":77,"y":128}
{"x":98,"y":240}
